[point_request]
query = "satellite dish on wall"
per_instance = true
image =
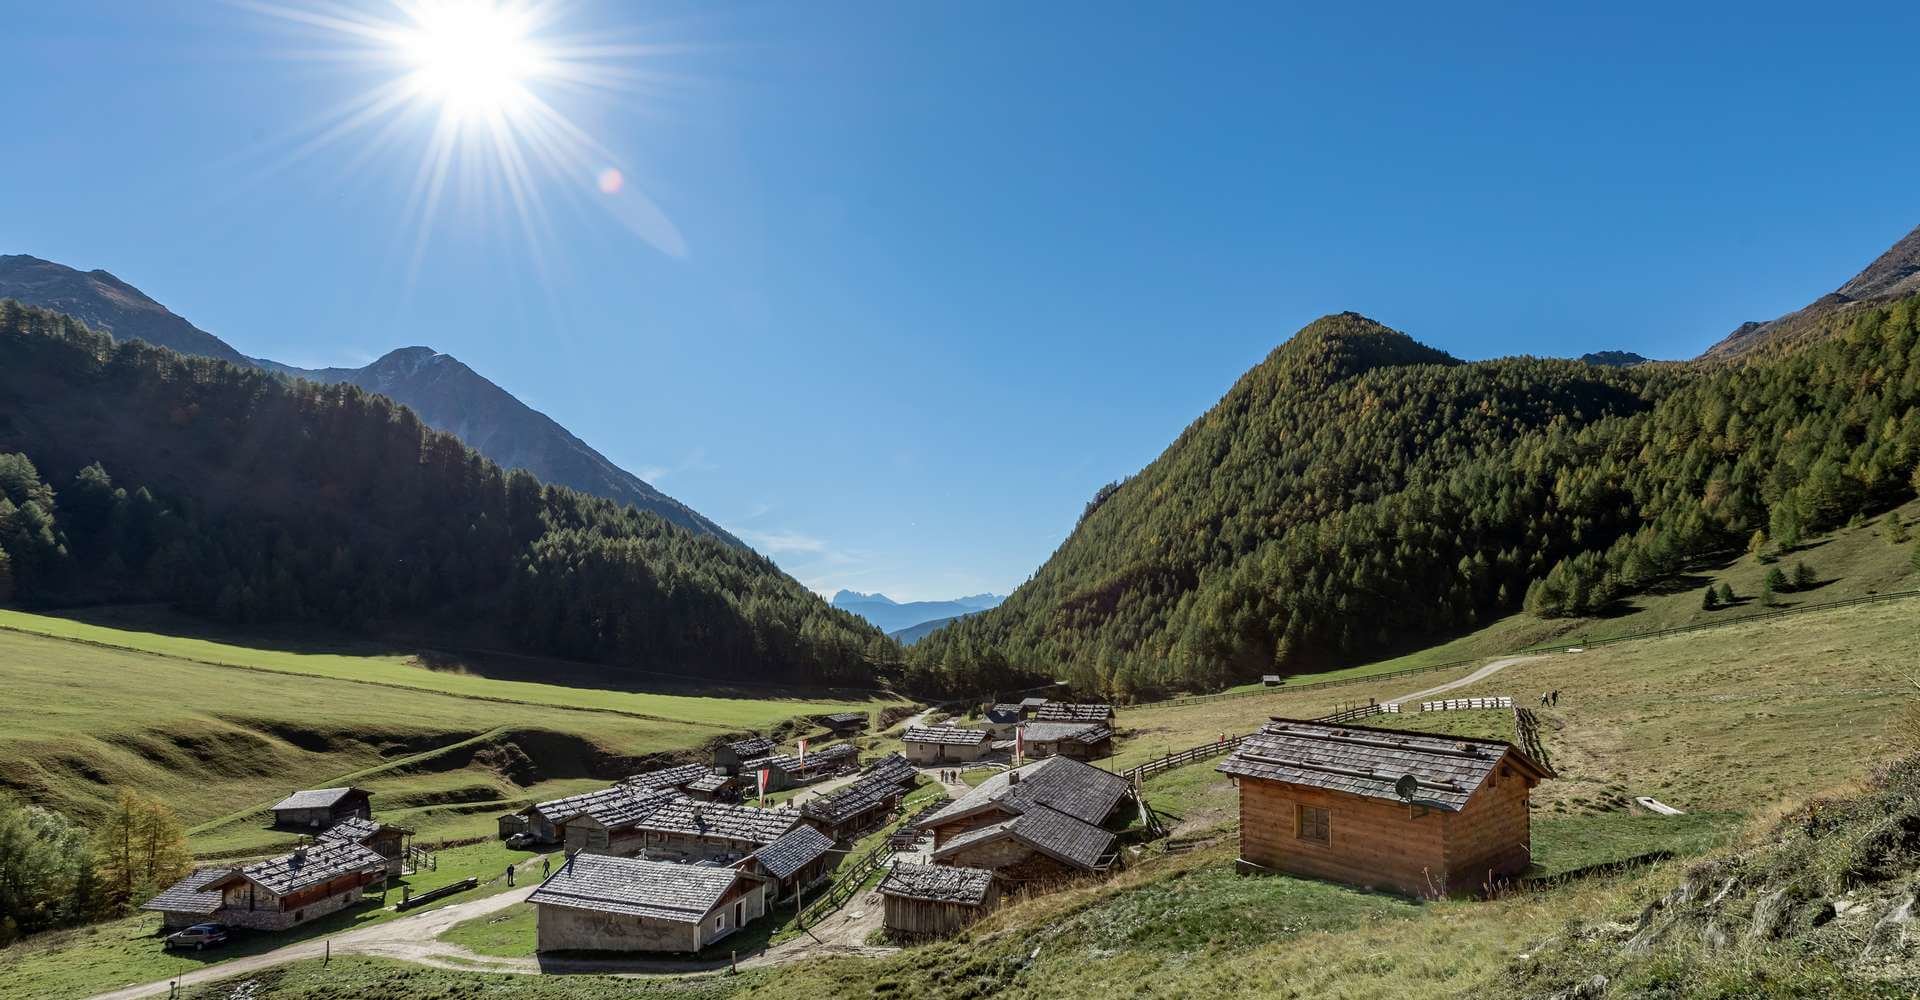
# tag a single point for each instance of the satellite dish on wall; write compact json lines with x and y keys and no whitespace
{"x":1406,"y":787}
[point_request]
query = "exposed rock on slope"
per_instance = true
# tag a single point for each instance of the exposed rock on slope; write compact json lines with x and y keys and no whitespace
{"x":1893,"y":275}
{"x":1832,"y":891}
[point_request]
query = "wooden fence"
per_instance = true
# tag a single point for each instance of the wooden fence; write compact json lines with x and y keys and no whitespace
{"x":1187,"y":756}
{"x":1348,"y":713}
{"x":1466,"y":704}
{"x":1218,"y":747}
{"x":847,"y":882}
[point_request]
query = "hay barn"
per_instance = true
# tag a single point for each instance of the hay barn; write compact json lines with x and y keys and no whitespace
{"x":318,"y":808}
{"x":1414,"y":813}
{"x":928,"y":901}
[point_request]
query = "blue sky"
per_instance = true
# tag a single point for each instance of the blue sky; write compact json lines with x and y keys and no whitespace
{"x":941,"y":270}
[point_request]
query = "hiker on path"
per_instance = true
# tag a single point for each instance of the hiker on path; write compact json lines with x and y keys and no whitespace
{"x":546,"y":865}
{"x":509,"y":874}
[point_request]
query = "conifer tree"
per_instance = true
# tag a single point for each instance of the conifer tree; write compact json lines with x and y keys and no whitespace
{"x":1727,"y":597}
{"x":1709,"y":601}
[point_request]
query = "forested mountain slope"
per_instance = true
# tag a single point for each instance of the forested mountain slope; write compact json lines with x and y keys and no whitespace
{"x":1357,"y":492}
{"x":140,"y":473}
{"x":446,"y":394}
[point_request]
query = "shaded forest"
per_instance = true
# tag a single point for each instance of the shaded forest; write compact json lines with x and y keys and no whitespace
{"x":129,"y":472}
{"x":1357,"y":493}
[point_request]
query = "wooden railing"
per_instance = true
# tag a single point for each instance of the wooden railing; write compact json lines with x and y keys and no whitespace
{"x":1229,"y":744}
{"x":1187,"y":756}
{"x":1466,"y":704}
{"x":1351,"y":712}
{"x":847,"y":882}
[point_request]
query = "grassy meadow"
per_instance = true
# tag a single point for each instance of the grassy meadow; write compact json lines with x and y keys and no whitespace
{"x":147,"y":631}
{"x":220,"y":731}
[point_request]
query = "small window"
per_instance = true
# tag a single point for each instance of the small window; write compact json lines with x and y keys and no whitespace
{"x":1312,"y":824}
{"x":720,"y":922}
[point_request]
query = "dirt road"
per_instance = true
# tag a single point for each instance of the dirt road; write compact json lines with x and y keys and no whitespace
{"x":1473,"y":678}
{"x":369,"y":940}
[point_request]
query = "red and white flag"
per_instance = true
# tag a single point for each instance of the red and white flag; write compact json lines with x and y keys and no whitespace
{"x":803,"y":748}
{"x":1019,"y":743}
{"x":763,"y":786}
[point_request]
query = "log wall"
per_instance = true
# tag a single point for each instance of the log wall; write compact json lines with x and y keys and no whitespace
{"x":1374,"y":843}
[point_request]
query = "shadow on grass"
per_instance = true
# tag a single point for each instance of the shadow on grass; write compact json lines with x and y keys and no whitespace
{"x":443,"y":653}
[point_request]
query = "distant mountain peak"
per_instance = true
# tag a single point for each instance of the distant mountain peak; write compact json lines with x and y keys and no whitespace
{"x":856,"y":597}
{"x":891,"y":615}
{"x":1615,"y":359}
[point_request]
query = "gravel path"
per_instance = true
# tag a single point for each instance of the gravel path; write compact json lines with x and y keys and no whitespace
{"x":401,"y":934}
{"x":1479,"y":675}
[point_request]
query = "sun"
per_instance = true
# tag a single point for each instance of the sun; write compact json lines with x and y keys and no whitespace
{"x":472,"y":58}
{"x":484,"y":89}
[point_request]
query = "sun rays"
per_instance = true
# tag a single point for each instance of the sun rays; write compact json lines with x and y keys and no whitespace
{"x":478,"y":88}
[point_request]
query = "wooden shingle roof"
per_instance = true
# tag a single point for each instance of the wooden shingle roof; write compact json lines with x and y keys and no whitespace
{"x":1082,"y":791}
{"x":607,"y":805}
{"x":945,"y":735}
{"x":796,"y":849}
{"x":624,"y":811}
{"x":826,"y":757}
{"x":317,"y":798}
{"x":846,"y":718}
{"x":752,"y":746}
{"x":358,"y":830}
{"x":679,"y":776}
{"x":709,"y":783}
{"x":1047,"y":830}
{"x":632,"y":887}
{"x":893,"y":767}
{"x":191,"y":894}
{"x":1362,"y":760}
{"x":1053,"y":732}
{"x":880,"y":785}
{"x":1056,"y":711}
{"x":718,"y":819}
{"x":938,"y":883}
{"x":320,"y":861}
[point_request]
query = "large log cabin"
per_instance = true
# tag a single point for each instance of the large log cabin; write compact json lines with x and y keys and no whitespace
{"x":311,"y":882}
{"x":599,"y":903}
{"x":1045,"y":821}
{"x":1414,"y":813}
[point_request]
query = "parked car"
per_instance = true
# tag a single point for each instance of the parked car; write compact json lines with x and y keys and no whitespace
{"x":198,"y":936}
{"x":520,"y":841}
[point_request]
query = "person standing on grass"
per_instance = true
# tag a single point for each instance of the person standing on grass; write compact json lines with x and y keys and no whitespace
{"x":546,"y":865}
{"x":509,"y":874}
